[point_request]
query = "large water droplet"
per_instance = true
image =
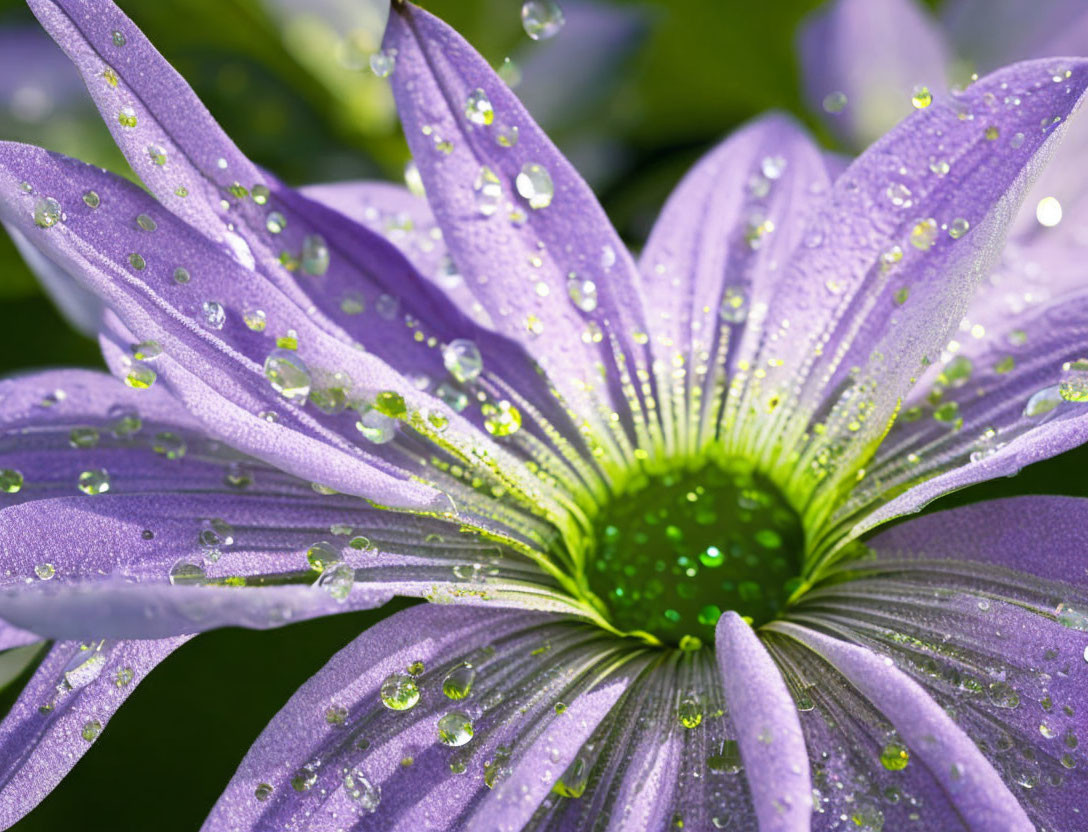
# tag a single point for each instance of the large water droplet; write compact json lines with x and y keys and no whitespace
{"x":358,"y":787}
{"x":462,"y":359}
{"x":455,"y":729}
{"x":287,"y":373}
{"x":47,"y":212}
{"x":534,"y":183}
{"x":1073,"y":383}
{"x":458,"y":682}
{"x":94,"y":481}
{"x":399,"y":692}
{"x":478,"y":108}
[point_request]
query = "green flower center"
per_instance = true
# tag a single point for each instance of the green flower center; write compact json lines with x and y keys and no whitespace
{"x":676,"y":552}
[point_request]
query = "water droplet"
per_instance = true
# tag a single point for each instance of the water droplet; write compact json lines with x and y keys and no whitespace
{"x":288,"y":374}
{"x":582,"y":293}
{"x":140,"y":377}
{"x":458,"y":682}
{"x":374,"y":425}
{"x":187,"y":573}
{"x":399,"y":692}
{"x":834,"y":102}
{"x":263,"y":791}
{"x":690,"y":712}
{"x":921,"y":97}
{"x":336,"y":580}
{"x":83,"y":437}
{"x":734,"y":306}
{"x":157,"y":154}
{"x":773,"y":167}
{"x":181,"y":275}
{"x":1048,"y":212}
{"x":488,"y":191}
{"x":501,"y":418}
{"x":924,"y":234}
{"x":94,"y":481}
{"x":992,"y":133}
{"x":275,"y":222}
{"x":126,"y":117}
{"x":118,"y":38}
{"x":11,"y":481}
{"x":85,"y":665}
{"x":315,"y":255}
{"x":899,"y":195}
{"x":1002,"y":695}
{"x":387,"y":307}
{"x":47,"y":212}
{"x":304,"y":779}
{"x":894,"y":757}
{"x":958,"y":227}
{"x":940,"y":167}
{"x":478,"y":108}
{"x":353,"y":303}
{"x":507,"y":135}
{"x":214,"y":314}
{"x":45,"y":571}
{"x":534,"y":183}
{"x":91,"y":199}
{"x":322,"y":554}
{"x":146,"y":350}
{"x":358,"y":786}
{"x":455,"y":729}
{"x":383,"y":63}
{"x":91,"y":729}
{"x":261,"y":194}
{"x":255,"y":319}
{"x":360,"y":543}
{"x":169,"y":445}
{"x":541,"y":19}
{"x":1073,"y":383}
{"x":462,"y":359}
{"x":1042,"y":402}
{"x":136,"y":260}
{"x":215,"y":533}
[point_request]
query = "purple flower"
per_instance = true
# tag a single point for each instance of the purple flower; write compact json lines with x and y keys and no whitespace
{"x":637,"y":496}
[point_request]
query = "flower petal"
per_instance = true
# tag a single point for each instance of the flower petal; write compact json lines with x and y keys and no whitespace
{"x":158,"y":496}
{"x":902,"y":247}
{"x":82,"y":309}
{"x":771,"y":744}
{"x":993,"y":407}
{"x":335,"y":752}
{"x":986,"y":608}
{"x":62,"y":710}
{"x":515,"y":216}
{"x":981,"y":800}
{"x":713,"y":259}
{"x":875,"y":55}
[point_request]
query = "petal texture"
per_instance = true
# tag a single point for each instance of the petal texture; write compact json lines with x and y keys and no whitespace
{"x":771,"y":744}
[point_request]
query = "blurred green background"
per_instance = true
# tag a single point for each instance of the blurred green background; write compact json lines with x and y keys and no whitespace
{"x":654,"y":84}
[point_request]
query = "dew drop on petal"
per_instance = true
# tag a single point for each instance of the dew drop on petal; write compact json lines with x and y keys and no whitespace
{"x":1073,"y":383}
{"x":455,"y":729}
{"x":921,"y":97}
{"x":501,"y":418}
{"x":94,"y":481}
{"x":45,"y":571}
{"x":336,"y":581}
{"x":734,"y":305}
{"x":488,"y":191}
{"x":315,"y":255}
{"x":11,"y":481}
{"x":1042,"y":402}
{"x":534,"y":184}
{"x":924,"y":234}
{"x":462,"y":359}
{"x":478,"y":108}
{"x":214,"y":314}
{"x":958,"y":227}
{"x":399,"y":692}
{"x":458,"y":682}
{"x":91,"y":199}
{"x":126,"y":117}
{"x":582,"y":293}
{"x":47,"y":212}
{"x":383,"y":62}
{"x":361,"y":790}
{"x":186,"y":572}
{"x":288,"y":374}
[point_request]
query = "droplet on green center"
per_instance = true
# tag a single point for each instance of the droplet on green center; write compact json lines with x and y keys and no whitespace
{"x":672,"y":555}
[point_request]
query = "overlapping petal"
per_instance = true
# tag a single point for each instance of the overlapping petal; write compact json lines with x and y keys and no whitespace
{"x":714,"y":259}
{"x":364,"y":739}
{"x":892,"y":261}
{"x":863,"y":62}
{"x":63,"y":709}
{"x":525,"y":230}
